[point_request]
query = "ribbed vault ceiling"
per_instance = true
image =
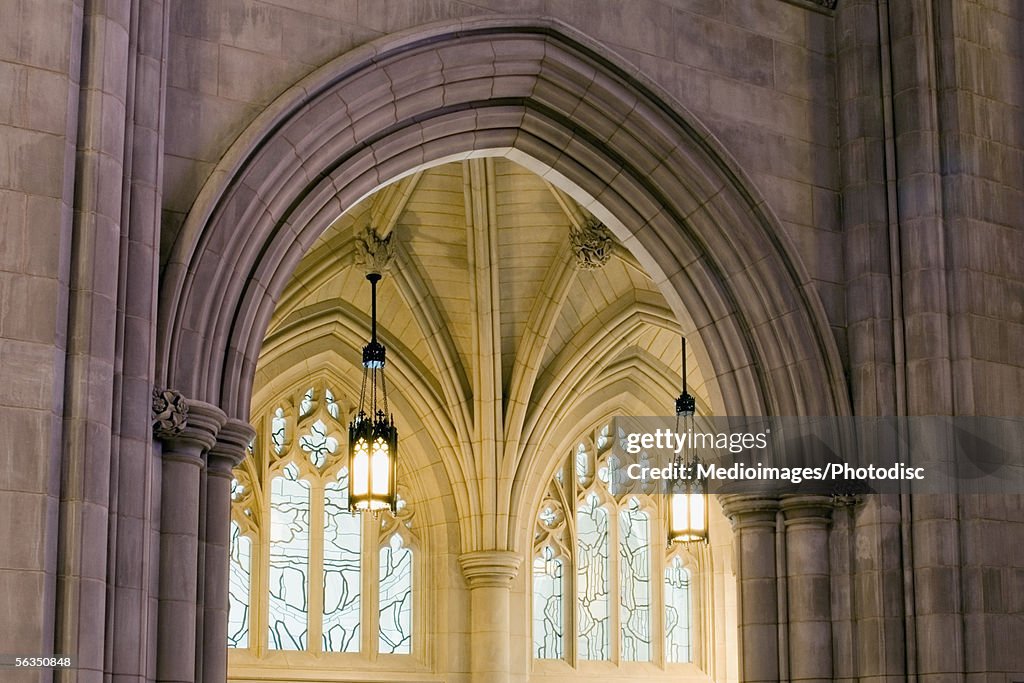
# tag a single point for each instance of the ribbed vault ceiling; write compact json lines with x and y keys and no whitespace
{"x":486,"y":297}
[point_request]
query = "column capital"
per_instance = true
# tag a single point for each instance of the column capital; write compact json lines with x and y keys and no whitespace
{"x":807,"y":509}
{"x":185,"y":425}
{"x":493,"y":568}
{"x":229,"y":450}
{"x":749,"y":510}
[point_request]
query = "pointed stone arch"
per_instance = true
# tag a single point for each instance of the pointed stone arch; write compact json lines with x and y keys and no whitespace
{"x":550,"y":99}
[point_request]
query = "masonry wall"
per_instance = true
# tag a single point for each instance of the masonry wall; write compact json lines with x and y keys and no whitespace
{"x":758,"y":73}
{"x":39,"y":64}
{"x":888,"y":140}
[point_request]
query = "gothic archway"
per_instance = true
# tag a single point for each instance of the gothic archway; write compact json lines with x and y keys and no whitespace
{"x":555,"y":102}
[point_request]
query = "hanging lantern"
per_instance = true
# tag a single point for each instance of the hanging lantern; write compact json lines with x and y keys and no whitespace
{"x":372,"y":436}
{"x":688,"y":505}
{"x":688,"y":515}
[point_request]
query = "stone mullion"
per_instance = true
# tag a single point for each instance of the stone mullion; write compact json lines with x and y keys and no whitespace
{"x":315,"y":576}
{"x":369,"y":578}
{"x":259,"y":637}
{"x":614,"y":586}
{"x":659,"y":562}
{"x":702,"y":641}
{"x":571,"y":578}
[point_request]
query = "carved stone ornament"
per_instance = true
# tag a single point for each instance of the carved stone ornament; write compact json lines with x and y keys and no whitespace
{"x":592,"y":244}
{"x":170,"y":413}
{"x":374,"y":254}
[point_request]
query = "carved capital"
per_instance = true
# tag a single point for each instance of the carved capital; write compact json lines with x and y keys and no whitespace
{"x":232,"y":440}
{"x":807,"y":510}
{"x":202,"y":424}
{"x":373,"y":253}
{"x":170,"y":413}
{"x":490,"y":568}
{"x":592,"y":244}
{"x":748,"y":511}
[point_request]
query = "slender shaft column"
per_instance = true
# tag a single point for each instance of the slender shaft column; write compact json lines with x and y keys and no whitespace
{"x":807,"y":519}
{"x":229,"y":450}
{"x":179,"y":541}
{"x":753,"y":522}
{"x":489,"y":574}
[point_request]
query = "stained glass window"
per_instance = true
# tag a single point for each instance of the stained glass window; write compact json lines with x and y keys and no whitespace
{"x":395,"y":624}
{"x":289,"y":561}
{"x":678,"y":614}
{"x":548,"y":618}
{"x":634,"y":583}
{"x":306,"y":404}
{"x":279,"y":430}
{"x":295,"y":476}
{"x":332,"y":404}
{"x":341,"y":569}
{"x":592,"y":580}
{"x":317,"y":444}
{"x":605,"y":556}
{"x":239,"y":579}
{"x":583,"y":470}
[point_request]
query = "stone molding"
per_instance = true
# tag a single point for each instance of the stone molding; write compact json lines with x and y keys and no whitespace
{"x":530,"y":123}
{"x":807,"y":510}
{"x":592,"y":243}
{"x":232,"y":441}
{"x":746,"y":511}
{"x":826,"y":7}
{"x":490,"y":568}
{"x":374,"y":254}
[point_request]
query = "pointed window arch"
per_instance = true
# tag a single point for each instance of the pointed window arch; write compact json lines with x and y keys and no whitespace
{"x":348,"y":590}
{"x":608,"y":554}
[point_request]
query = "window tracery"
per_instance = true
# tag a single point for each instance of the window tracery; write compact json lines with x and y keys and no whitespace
{"x":597,"y":538}
{"x":348,"y":590}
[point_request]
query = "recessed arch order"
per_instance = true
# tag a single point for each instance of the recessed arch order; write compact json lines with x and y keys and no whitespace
{"x":550,"y":99}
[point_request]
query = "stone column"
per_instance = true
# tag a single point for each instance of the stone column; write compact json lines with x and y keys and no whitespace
{"x":179,"y":540}
{"x":489,"y":574}
{"x":753,"y":522}
{"x":225,"y":455}
{"x":807,"y":519}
